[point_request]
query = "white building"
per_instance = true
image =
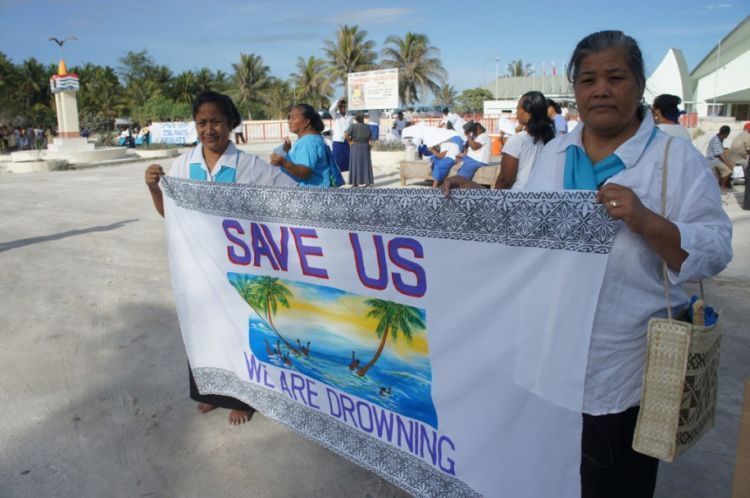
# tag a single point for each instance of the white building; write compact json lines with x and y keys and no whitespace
{"x":721,"y":81}
{"x":672,"y":77}
{"x":718,"y":86}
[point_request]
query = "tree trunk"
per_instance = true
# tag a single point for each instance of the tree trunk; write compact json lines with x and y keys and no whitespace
{"x":270,"y":322}
{"x":362,"y":371}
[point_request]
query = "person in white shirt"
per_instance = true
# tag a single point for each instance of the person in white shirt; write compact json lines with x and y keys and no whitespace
{"x":398,"y":126}
{"x":554,"y":111}
{"x":617,"y":150}
{"x":520,"y":150}
{"x":443,"y":158}
{"x":341,"y":123}
{"x":477,"y":149}
{"x":216,"y":159}
{"x":667,"y":115}
{"x":454,"y":119}
{"x":409,"y":116}
{"x":373,"y":121}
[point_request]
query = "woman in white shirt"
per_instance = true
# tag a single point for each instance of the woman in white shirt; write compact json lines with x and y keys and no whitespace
{"x":521,"y":149}
{"x":444,"y":157}
{"x":216,"y":159}
{"x":667,"y":115}
{"x":618,"y":151}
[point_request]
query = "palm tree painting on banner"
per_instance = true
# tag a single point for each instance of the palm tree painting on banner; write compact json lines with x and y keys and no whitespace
{"x":373,"y":349}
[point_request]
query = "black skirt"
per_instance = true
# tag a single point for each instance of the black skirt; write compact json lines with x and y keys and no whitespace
{"x":215,"y":399}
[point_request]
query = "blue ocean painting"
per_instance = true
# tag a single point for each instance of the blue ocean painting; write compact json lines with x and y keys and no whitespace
{"x":332,"y":336}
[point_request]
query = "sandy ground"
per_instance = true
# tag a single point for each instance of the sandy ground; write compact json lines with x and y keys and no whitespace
{"x":93,"y":375}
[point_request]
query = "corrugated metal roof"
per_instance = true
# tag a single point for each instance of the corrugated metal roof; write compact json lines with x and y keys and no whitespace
{"x":513,"y":87}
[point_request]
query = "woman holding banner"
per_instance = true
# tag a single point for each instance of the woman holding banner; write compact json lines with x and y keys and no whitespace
{"x":618,"y":151}
{"x":216,"y":159}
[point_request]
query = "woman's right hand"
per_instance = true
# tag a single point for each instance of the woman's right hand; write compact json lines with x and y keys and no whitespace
{"x":153,"y":173}
{"x":277,"y":160}
{"x":287,"y":144}
{"x":457,"y":181}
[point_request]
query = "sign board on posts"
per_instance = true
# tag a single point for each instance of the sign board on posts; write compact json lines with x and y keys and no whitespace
{"x":373,"y":90}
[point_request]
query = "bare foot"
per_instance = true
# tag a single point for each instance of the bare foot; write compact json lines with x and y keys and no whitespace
{"x":237,"y":417}
{"x":205,"y":407}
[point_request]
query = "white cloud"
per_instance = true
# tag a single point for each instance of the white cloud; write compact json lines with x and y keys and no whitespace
{"x":378,"y":15}
{"x":717,"y":6}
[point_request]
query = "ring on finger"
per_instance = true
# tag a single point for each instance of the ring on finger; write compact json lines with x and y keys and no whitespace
{"x":613,"y":204}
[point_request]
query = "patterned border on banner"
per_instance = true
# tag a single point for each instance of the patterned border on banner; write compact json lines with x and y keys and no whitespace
{"x":572,"y":221}
{"x":404,"y":470}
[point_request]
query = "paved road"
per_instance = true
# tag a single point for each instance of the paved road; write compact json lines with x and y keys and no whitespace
{"x":93,"y":376}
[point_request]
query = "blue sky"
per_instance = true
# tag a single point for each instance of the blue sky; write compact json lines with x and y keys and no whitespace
{"x":187,"y":34}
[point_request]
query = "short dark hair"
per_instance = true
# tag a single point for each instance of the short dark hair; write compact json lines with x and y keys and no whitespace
{"x":667,"y":105}
{"x":359,"y":117}
{"x":222,"y":102}
{"x":552,"y":103}
{"x":310,"y":114}
{"x":724,"y":130}
{"x":445,"y":110}
{"x":606,"y":40}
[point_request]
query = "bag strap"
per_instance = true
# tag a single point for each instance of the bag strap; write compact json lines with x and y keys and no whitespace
{"x":665,"y":274}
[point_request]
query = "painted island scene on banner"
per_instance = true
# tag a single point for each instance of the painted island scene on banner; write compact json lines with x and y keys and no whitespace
{"x":371,"y":348}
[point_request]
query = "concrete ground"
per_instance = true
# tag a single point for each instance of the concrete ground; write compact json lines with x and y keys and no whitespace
{"x":93,"y":376}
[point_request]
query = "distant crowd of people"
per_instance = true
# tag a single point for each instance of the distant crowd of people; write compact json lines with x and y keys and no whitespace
{"x":24,"y":138}
{"x":134,"y":135}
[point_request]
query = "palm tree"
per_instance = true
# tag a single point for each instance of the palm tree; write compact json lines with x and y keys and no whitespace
{"x":418,"y":63}
{"x":204,"y":80}
{"x":251,"y":80}
{"x":393,"y":318}
{"x":101,"y":93}
{"x":278,"y":99}
{"x":311,"y":85}
{"x":32,"y":83}
{"x":184,"y":87}
{"x":221,"y":81}
{"x":349,"y":53}
{"x":264,"y":295}
{"x":518,"y":68}
{"x":446,"y":96}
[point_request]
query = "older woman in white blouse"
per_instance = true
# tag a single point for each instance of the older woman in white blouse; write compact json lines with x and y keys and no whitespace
{"x":619,"y":152}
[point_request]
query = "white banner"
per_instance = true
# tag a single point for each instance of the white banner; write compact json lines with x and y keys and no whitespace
{"x":178,"y":132}
{"x":441,"y":343}
{"x":373,"y":90}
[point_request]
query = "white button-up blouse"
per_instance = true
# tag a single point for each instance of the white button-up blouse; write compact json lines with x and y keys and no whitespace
{"x":632,"y":291}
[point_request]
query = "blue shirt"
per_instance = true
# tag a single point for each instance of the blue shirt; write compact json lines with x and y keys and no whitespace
{"x":311,"y":151}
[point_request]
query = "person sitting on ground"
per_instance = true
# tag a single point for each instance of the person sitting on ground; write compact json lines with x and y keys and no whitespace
{"x":555,"y":114}
{"x":740,"y":147}
{"x":477,"y":149}
{"x":308,"y":161}
{"x":716,"y":158}
{"x":216,"y":159}
{"x":667,"y":115}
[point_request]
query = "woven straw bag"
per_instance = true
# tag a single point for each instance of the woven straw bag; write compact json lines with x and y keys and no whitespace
{"x":678,"y":402}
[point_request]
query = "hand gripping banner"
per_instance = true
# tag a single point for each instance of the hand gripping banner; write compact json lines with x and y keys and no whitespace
{"x":441,"y":343}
